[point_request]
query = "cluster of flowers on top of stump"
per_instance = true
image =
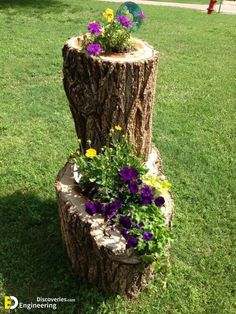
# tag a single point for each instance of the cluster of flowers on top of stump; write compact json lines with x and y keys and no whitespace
{"x":117,"y":185}
{"x":113,"y":34}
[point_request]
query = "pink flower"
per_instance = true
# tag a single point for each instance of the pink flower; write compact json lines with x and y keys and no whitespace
{"x":141,"y":15}
{"x":94,"y":28}
{"x":94,"y":49}
{"x":124,"y":21}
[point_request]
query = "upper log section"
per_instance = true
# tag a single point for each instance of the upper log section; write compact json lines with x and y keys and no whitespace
{"x":112,"y":89}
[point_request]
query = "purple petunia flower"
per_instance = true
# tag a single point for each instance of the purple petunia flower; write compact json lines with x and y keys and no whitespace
{"x":140,"y":225}
{"x":100,"y":209}
{"x":139,"y":181}
{"x":90,"y":208}
{"x":110,"y":212}
{"x":147,"y":236}
{"x":94,"y":49}
{"x":145,"y":200}
{"x":146,"y":195}
{"x":127,"y":174}
{"x":141,"y":15}
{"x":126,"y":222}
{"x":159,"y":201}
{"x":117,"y":204}
{"x":131,"y":242}
{"x":146,"y":190}
{"x":94,"y":28}
{"x":133,"y":187}
{"x":124,"y":21}
{"x":111,"y":209}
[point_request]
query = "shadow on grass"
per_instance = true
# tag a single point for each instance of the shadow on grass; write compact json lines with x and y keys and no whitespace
{"x":33,"y":262}
{"x":38,"y":8}
{"x":32,"y":7}
{"x":26,"y":3}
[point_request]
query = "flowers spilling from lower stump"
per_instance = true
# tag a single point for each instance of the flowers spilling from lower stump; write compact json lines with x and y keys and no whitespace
{"x":120,"y":188}
{"x":112,"y":33}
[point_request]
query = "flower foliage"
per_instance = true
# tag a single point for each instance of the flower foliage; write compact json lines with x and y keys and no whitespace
{"x":115,"y":183}
{"x":111,"y":34}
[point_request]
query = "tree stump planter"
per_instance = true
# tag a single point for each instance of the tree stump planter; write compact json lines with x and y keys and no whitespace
{"x":98,"y":254}
{"x":104,"y":91}
{"x":109,"y":90}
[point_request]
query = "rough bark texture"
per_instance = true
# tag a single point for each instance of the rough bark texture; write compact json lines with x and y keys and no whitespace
{"x":115,"y":89}
{"x":98,"y":254}
{"x":110,"y":90}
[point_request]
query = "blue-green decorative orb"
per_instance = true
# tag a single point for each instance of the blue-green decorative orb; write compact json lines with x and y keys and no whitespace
{"x":132,"y":12}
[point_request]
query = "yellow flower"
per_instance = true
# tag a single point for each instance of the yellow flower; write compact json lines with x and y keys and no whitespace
{"x":90,"y":153}
{"x":154,"y":181}
{"x":108,"y":15}
{"x":118,"y":128}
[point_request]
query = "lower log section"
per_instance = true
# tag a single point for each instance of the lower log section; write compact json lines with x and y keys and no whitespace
{"x":98,"y":255}
{"x":113,"y":89}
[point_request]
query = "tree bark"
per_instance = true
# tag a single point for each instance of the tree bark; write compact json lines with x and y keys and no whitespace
{"x":114,"y":89}
{"x":97,"y":253}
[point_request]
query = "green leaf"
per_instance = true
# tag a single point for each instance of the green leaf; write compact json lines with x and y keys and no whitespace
{"x":147,"y":258}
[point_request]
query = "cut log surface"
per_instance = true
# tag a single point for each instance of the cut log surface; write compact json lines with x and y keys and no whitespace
{"x":112,"y":89}
{"x":97,"y":253}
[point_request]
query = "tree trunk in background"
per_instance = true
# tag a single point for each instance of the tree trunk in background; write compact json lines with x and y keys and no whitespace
{"x":114,"y":89}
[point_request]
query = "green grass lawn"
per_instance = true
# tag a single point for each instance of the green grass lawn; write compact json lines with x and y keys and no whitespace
{"x":193,"y":128}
